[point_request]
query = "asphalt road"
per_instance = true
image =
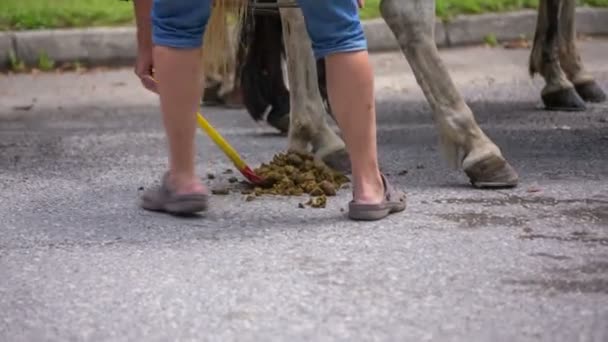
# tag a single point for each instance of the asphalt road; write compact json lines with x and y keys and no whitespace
{"x":79,"y":261}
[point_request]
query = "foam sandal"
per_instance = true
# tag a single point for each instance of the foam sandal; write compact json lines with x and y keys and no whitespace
{"x":393,"y":202}
{"x":163,"y":199}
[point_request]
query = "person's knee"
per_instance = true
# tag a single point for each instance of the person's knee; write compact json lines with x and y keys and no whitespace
{"x":180,"y":23}
{"x":333,"y":26}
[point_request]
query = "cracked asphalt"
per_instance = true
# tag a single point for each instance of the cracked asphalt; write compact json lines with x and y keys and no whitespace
{"x":79,"y":261}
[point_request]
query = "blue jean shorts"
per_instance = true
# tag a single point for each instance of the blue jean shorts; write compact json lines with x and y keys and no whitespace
{"x":333,"y":25}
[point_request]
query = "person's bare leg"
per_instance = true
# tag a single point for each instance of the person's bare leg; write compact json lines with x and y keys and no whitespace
{"x":178,"y":72}
{"x":351,"y":93}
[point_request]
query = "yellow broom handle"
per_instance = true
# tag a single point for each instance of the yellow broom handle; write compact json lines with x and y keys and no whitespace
{"x":219,"y":141}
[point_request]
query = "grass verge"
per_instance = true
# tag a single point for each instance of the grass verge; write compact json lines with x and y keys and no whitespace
{"x":38,"y":14}
{"x":448,"y":8}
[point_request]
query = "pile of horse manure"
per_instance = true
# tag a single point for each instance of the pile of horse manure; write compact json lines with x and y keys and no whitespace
{"x":295,"y":174}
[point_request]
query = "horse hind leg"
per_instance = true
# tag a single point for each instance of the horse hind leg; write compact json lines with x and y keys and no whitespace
{"x":570,"y":59}
{"x":558,"y":92}
{"x":307,"y":119}
{"x":462,"y":140}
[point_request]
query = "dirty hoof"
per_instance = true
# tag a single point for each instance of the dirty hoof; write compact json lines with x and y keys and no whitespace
{"x":590,"y":92}
{"x":211,"y":96}
{"x":338,"y":161}
{"x":564,"y":99}
{"x":494,"y":172}
{"x":281,"y":123}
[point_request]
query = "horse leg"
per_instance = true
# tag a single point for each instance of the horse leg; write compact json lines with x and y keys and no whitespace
{"x":558,"y":93}
{"x":221,"y":87}
{"x":570,"y":59}
{"x":259,"y":72}
{"x":413,"y":24}
{"x":230,"y":91}
{"x":307,"y":124}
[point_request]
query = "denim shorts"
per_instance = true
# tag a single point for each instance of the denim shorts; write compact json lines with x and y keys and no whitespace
{"x":333,"y":25}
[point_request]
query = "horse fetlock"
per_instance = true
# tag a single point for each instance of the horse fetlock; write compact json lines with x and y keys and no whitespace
{"x":297,"y":144}
{"x":558,"y":92}
{"x":551,"y":71}
{"x":330,"y":148}
{"x":458,"y":131}
{"x":327,"y":147}
{"x":338,"y":160}
{"x":573,"y":68}
{"x":300,"y":134}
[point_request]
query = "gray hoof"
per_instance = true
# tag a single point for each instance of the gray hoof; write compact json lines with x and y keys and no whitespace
{"x":338,"y":161}
{"x":590,"y":92}
{"x":565,"y":100}
{"x":281,"y":123}
{"x":493,"y":173}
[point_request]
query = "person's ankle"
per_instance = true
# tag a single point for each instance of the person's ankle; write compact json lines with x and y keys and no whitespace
{"x":369,"y":190}
{"x":185,"y":183}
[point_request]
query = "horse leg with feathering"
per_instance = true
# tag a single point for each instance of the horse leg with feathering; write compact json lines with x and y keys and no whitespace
{"x":568,"y":85}
{"x":412,"y":21}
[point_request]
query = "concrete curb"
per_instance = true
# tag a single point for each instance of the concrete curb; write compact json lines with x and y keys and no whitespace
{"x":6,"y":45}
{"x":91,"y":45}
{"x":116,"y":46}
{"x":472,"y":29}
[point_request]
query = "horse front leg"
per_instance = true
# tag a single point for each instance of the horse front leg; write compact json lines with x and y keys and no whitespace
{"x":462,"y":140}
{"x":307,"y":125}
{"x":559,"y":92}
{"x":570,"y":59}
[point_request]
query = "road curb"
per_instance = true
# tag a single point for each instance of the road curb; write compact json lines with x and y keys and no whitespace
{"x":116,"y":45}
{"x":512,"y":25}
{"x":473,"y":29}
{"x":92,"y":45}
{"x":6,"y":45}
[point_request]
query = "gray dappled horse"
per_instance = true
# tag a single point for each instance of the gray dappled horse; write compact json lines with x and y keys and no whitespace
{"x":300,"y":111}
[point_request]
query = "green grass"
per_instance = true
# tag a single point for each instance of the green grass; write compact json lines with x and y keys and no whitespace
{"x":37,"y":14}
{"x":449,"y":8}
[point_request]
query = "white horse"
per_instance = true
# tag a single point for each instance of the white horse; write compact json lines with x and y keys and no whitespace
{"x":412,"y":22}
{"x":554,"y":56}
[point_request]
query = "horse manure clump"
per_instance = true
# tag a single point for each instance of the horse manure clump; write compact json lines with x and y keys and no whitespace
{"x":221,"y":190}
{"x":317,"y":202}
{"x":295,"y":174}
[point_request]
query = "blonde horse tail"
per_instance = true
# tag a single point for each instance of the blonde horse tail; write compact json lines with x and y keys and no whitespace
{"x":218,"y":46}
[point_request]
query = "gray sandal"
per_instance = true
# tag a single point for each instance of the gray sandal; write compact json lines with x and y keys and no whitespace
{"x":394,"y":202}
{"x":162,"y":198}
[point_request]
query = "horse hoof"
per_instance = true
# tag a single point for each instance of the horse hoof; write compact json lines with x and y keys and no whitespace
{"x":211,"y":96}
{"x":590,"y":92}
{"x":281,"y":123}
{"x":338,"y":161}
{"x":565,"y":100}
{"x":492,"y":173}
